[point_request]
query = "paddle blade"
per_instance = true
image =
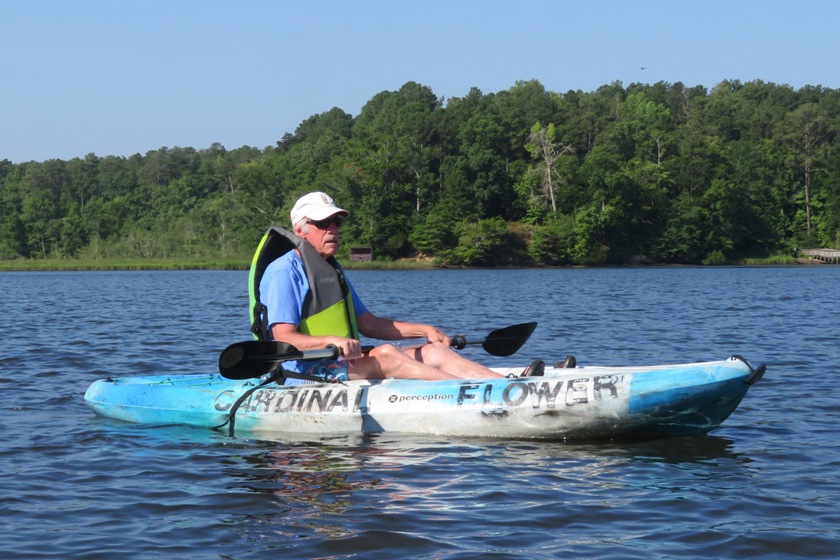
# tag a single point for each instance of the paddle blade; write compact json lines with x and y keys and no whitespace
{"x":506,"y":341}
{"x":253,"y":358}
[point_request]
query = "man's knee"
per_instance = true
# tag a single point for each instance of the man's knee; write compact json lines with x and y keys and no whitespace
{"x":389,"y":352}
{"x":437,"y":349}
{"x":435,"y":354}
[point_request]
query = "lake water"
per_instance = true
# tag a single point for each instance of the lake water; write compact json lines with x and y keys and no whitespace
{"x":765,"y":484}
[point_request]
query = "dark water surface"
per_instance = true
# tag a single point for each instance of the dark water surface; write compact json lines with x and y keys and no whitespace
{"x":766,"y":484}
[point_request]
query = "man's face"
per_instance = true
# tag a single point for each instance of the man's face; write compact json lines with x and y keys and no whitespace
{"x":323,"y":235}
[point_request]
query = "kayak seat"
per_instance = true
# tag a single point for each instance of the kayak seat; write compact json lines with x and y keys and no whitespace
{"x":274,"y":244}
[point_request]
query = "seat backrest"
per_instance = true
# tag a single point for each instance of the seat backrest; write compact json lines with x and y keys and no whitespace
{"x":274,"y":244}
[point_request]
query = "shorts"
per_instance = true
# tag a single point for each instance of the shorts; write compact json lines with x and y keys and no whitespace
{"x":330,"y":371}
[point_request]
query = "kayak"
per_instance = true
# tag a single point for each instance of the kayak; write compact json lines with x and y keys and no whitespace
{"x":584,"y":402}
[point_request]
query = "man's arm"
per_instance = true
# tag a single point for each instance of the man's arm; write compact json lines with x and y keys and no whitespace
{"x":383,"y":328}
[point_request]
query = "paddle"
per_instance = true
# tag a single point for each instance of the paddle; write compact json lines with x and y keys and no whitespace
{"x":501,"y":342}
{"x":253,"y":358}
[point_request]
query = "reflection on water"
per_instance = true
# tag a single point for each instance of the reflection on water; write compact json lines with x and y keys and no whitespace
{"x":316,"y":473}
{"x":325,"y":487}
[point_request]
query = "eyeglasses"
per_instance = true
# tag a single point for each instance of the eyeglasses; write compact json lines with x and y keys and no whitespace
{"x":326,"y":223}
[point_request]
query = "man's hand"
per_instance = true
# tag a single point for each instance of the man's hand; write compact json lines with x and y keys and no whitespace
{"x":347,"y":347}
{"x":433,"y":334}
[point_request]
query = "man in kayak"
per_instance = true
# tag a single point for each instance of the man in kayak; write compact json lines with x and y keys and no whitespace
{"x":333,"y":314}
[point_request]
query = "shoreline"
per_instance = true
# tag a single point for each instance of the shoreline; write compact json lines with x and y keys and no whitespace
{"x":73,"y":265}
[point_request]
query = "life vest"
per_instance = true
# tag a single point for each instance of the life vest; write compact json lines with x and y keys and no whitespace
{"x":327,"y":307}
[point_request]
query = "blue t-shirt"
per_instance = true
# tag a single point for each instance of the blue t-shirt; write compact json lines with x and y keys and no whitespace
{"x":283,"y":288}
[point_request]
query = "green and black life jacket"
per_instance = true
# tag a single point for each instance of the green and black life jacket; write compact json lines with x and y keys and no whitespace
{"x":327,"y":307}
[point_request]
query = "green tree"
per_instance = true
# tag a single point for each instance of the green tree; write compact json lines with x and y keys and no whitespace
{"x":805,"y":132}
{"x":679,"y":174}
{"x":486,"y":243}
{"x":553,"y":243}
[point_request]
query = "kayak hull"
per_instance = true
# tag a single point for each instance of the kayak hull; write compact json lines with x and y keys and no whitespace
{"x":565,"y":404}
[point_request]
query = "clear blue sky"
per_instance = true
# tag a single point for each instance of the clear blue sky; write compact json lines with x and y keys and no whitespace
{"x":118,"y":77}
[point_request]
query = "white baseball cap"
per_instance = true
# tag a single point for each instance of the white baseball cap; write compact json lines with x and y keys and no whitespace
{"x":315,"y":206}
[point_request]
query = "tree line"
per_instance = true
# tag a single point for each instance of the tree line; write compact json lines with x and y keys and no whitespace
{"x":657,"y":173}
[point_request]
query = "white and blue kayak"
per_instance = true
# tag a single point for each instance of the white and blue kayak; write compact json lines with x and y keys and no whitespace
{"x":563,"y":404}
